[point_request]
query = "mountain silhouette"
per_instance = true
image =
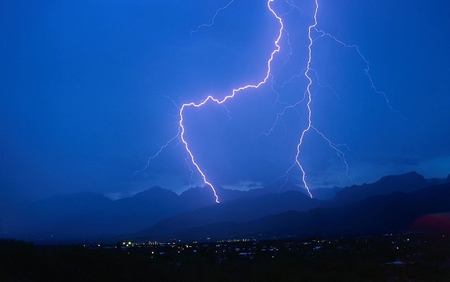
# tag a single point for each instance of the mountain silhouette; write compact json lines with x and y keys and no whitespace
{"x":238,"y":210}
{"x":157,"y":212}
{"x":372,"y":216}
{"x":88,"y":214}
{"x":388,"y":184}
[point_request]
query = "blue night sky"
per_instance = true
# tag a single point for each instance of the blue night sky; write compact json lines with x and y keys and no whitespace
{"x":91,"y":89}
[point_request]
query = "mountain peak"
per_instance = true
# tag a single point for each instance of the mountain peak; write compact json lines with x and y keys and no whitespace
{"x":412,"y":175}
{"x":154,"y":192}
{"x":388,"y":184}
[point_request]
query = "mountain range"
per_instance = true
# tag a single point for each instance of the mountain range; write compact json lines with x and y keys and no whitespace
{"x":394,"y":202}
{"x":375,"y":215}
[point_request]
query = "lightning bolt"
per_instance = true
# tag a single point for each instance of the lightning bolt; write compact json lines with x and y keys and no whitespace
{"x":234,"y":92}
{"x":310,"y":125}
{"x":309,"y":100}
{"x":307,"y":96}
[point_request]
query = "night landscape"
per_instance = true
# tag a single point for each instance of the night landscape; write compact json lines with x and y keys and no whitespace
{"x":276,"y":140}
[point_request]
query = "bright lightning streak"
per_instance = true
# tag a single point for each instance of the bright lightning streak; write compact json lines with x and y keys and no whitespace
{"x":310,"y":125}
{"x":308,"y":104}
{"x":232,"y":95}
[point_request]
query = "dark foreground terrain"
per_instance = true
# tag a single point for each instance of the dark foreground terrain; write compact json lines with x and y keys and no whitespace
{"x":391,"y":257}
